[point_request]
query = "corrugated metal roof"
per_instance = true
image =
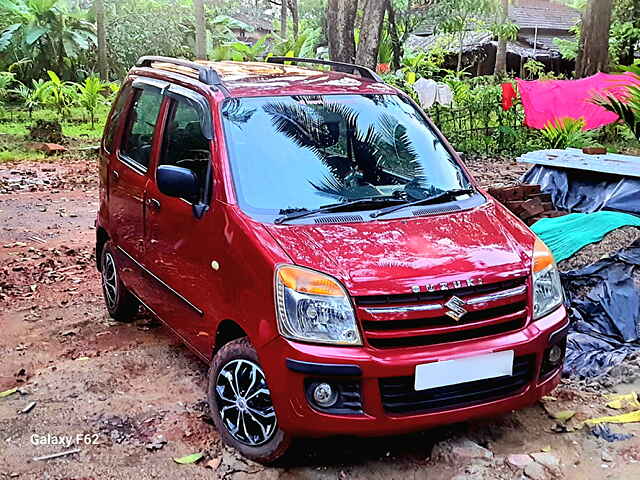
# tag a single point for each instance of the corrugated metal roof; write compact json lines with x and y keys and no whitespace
{"x":472,"y":40}
{"x":544,"y":14}
{"x":527,"y":14}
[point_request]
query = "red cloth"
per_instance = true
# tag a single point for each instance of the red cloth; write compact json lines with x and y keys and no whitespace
{"x":508,"y":95}
{"x":546,"y":101}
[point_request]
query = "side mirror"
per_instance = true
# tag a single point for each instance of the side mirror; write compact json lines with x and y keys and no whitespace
{"x":177,"y":182}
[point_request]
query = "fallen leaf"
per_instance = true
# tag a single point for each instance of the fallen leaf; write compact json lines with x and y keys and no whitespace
{"x":193,"y":458}
{"x":563,"y":415}
{"x":6,"y":393}
{"x":546,"y":448}
{"x":214,"y":464}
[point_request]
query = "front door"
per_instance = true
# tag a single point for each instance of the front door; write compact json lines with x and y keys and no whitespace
{"x":179,"y":246}
{"x":128,"y":178}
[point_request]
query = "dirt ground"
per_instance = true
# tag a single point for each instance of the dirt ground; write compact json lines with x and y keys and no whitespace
{"x":131,"y":397}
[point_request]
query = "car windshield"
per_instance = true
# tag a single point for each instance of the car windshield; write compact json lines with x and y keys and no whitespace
{"x":297,"y":153}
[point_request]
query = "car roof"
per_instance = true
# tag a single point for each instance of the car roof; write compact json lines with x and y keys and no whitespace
{"x":259,"y":79}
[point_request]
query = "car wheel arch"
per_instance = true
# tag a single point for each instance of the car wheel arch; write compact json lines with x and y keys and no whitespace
{"x":102,"y":237}
{"x":227,"y":331}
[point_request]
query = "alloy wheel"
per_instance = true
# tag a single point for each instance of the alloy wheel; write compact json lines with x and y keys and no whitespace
{"x":110,"y":280}
{"x":244,"y":402}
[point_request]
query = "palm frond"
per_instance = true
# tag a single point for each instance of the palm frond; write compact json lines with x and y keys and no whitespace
{"x":626,"y":106}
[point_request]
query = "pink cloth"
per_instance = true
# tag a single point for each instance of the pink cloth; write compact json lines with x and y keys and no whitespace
{"x":545,"y":101}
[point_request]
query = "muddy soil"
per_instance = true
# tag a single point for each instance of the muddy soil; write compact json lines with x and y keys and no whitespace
{"x":130,"y":397}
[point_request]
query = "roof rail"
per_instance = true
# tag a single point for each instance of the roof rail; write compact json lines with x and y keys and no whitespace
{"x":364,"y":72}
{"x":206,"y":74}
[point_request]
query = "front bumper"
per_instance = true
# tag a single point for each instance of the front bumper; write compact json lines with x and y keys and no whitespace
{"x":296,"y":416}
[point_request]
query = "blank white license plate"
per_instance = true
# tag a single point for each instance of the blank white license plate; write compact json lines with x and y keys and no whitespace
{"x":469,"y":369}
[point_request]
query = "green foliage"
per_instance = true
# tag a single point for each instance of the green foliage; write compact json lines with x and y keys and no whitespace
{"x":621,"y":37}
{"x":304,"y":46}
{"x":146,"y":27}
{"x":566,"y":132}
{"x":59,"y":95}
{"x":239,"y":51}
{"x":568,"y":48}
{"x":505,"y":31}
{"x":30,"y":97}
{"x":627,"y":107}
{"x":90,"y":96}
{"x":46,"y":34}
{"x":533,"y":68}
{"x":6,"y":79}
{"x":459,"y":16}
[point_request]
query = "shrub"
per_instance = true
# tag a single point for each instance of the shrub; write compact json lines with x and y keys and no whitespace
{"x":566,"y":132}
{"x":90,"y":96}
{"x":59,"y":95}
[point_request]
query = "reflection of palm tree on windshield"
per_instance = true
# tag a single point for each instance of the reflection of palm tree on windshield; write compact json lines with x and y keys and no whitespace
{"x":358,"y":160}
{"x":235,"y":112}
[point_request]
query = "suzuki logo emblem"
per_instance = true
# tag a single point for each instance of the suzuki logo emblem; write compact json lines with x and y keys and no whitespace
{"x":456,"y":309}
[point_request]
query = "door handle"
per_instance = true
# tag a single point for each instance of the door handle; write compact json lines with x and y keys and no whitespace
{"x":153,"y":203}
{"x":115,"y":175}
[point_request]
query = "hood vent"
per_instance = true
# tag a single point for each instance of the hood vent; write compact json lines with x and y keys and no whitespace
{"x":436,"y":210}
{"x":339,"y":219}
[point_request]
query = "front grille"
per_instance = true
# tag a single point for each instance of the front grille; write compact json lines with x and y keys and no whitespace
{"x":441,"y":321}
{"x":413,"y":298}
{"x":400,"y":397}
{"x":456,"y":336}
{"x":493,"y":309}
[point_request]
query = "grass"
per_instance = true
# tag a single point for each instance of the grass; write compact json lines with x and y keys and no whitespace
{"x":20,"y":155}
{"x":15,"y":123}
{"x":77,"y":125}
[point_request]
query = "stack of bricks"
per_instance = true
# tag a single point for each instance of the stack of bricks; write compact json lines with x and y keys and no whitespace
{"x":527,"y":202}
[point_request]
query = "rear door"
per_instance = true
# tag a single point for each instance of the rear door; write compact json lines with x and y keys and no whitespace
{"x":128,"y":177}
{"x":181,"y":244}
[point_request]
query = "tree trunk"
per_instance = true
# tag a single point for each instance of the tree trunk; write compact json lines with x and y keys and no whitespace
{"x":102,"y":41}
{"x":460,"y":48}
{"x":201,"y":30}
{"x":341,"y":16}
{"x":396,"y":43}
{"x":372,"y":17}
{"x":501,"y":53}
{"x":283,"y":18}
{"x":593,"y":55}
{"x":295,"y":17}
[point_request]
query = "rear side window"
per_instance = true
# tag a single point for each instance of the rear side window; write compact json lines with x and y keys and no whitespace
{"x":184,"y":145}
{"x":114,"y":119}
{"x":141,"y":123}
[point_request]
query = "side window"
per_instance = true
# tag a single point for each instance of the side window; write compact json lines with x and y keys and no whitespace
{"x":114,"y":119}
{"x":141,"y":123}
{"x":184,"y":145}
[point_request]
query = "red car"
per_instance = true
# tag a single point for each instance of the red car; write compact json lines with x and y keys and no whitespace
{"x":313,"y":237}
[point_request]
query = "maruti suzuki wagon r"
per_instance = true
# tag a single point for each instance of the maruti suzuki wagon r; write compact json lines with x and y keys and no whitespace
{"x":311,"y":235}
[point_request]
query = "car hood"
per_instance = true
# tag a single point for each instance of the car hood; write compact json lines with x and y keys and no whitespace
{"x":484,"y":244}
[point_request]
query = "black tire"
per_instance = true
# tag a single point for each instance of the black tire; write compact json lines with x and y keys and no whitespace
{"x":240,"y":356}
{"x":121,"y":304}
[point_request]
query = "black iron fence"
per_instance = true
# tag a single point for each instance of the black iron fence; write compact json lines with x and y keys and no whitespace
{"x":485,"y":128}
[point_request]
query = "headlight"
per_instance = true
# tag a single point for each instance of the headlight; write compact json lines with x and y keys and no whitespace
{"x":314,"y":307}
{"x":547,"y":290}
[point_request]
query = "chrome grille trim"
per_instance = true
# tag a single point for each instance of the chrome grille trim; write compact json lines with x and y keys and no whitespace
{"x":411,"y":308}
{"x":513,"y":292}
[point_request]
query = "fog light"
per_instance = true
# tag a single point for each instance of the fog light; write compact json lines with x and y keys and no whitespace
{"x":555,"y":354}
{"x":324,"y":395}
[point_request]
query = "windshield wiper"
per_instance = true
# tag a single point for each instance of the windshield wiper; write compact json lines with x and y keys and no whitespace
{"x":449,"y":194}
{"x":336,"y":206}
